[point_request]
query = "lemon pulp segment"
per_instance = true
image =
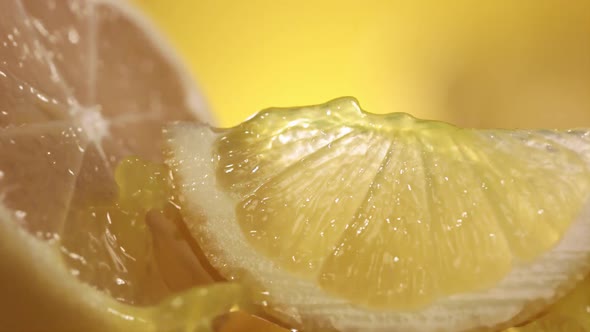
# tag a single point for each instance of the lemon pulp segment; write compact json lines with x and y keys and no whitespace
{"x":351,"y":221}
{"x":407,"y":210}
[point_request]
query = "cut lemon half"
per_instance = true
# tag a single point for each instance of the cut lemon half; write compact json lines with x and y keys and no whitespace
{"x":83,"y":85}
{"x":352,"y":221}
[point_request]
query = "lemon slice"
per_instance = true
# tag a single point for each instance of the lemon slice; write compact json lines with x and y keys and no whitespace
{"x":359,"y":222}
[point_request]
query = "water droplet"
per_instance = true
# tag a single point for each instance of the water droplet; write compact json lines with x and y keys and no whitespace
{"x":40,"y":28}
{"x":20,"y":214}
{"x":73,"y":36}
{"x":42,"y":98}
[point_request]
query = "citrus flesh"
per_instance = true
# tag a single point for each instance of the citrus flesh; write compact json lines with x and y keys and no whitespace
{"x":84,"y":85}
{"x":354,"y":221}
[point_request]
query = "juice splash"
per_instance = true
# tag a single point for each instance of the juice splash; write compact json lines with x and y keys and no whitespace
{"x":132,"y":247}
{"x":135,"y":248}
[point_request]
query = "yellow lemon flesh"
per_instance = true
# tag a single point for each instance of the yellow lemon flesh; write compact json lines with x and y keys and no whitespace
{"x":351,"y":220}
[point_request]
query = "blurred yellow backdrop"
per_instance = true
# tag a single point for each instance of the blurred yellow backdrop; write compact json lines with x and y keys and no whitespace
{"x":487,"y":63}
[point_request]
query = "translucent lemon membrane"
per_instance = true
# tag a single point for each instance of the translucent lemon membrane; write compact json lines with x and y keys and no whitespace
{"x":405,"y":210}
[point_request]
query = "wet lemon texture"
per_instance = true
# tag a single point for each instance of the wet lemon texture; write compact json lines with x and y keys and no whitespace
{"x":110,"y":244}
{"x":413,"y":211}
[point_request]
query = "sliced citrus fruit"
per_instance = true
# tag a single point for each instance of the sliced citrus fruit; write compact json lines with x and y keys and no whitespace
{"x":353,"y":221}
{"x":83,"y":84}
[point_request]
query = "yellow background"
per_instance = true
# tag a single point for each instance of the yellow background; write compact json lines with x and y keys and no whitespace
{"x":485,"y":63}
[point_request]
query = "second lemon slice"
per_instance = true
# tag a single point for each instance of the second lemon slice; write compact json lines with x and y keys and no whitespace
{"x":385,"y":221}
